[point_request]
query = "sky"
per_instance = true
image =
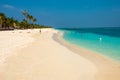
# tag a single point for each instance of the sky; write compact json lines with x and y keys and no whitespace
{"x":66,"y":13}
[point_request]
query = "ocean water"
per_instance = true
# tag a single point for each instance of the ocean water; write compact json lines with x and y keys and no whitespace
{"x":105,"y":41}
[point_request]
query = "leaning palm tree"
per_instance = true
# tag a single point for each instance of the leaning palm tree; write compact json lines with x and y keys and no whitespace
{"x":34,"y":20}
{"x":25,"y":13}
{"x":27,"y":16}
{"x":30,"y":17}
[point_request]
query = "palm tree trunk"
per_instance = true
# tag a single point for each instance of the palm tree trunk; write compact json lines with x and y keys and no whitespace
{"x":0,"y":22}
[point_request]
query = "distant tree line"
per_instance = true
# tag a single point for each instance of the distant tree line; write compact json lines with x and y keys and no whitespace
{"x":27,"y":23}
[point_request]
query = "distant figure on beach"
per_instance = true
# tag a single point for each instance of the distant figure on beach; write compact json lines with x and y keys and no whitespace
{"x":40,"y":31}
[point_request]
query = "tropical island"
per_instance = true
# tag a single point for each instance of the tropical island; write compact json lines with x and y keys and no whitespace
{"x":9,"y":23}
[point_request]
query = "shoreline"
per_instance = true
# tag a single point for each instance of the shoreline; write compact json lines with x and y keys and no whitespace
{"x":111,"y":58}
{"x":45,"y":59}
{"x":59,"y":38}
{"x":49,"y":58}
{"x":108,"y":69}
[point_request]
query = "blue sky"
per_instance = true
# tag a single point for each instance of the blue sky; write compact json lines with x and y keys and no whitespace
{"x":66,"y":13}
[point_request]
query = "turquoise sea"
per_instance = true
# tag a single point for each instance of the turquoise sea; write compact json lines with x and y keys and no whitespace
{"x":106,"y":41}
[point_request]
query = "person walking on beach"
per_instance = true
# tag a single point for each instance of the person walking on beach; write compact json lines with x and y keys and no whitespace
{"x":40,"y":31}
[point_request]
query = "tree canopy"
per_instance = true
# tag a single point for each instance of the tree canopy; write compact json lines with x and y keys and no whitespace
{"x":27,"y":23}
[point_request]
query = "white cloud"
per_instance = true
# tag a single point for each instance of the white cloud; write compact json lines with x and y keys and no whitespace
{"x":8,"y":6}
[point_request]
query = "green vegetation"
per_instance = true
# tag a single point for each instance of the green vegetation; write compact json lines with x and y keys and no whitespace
{"x":11,"y":23}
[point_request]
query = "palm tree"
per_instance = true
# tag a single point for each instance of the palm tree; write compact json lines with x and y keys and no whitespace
{"x":29,"y":17}
{"x":24,"y":24}
{"x":2,"y":19}
{"x":16,"y":24}
{"x":34,"y":20}
{"x":25,"y":13}
{"x":10,"y":22}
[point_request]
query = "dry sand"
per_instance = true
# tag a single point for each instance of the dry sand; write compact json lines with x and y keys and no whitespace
{"x":12,"y":40}
{"x":45,"y":59}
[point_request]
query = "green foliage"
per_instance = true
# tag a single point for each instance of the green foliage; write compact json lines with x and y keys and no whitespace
{"x":41,"y":26}
{"x":24,"y":24}
{"x":29,"y":17}
{"x":6,"y":22}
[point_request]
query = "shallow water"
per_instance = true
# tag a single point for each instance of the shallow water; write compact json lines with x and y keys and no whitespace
{"x":105,"y":41}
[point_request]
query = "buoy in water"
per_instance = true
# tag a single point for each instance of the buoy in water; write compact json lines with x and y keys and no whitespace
{"x":100,"y":39}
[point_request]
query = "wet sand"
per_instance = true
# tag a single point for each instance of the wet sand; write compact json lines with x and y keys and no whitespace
{"x":49,"y":57}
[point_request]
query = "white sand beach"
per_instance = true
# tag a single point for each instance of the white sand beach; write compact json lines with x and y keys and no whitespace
{"x":30,"y":55}
{"x":12,"y":40}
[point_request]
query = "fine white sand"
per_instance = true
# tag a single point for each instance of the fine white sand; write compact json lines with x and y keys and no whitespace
{"x":42,"y":58}
{"x":12,"y":40}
